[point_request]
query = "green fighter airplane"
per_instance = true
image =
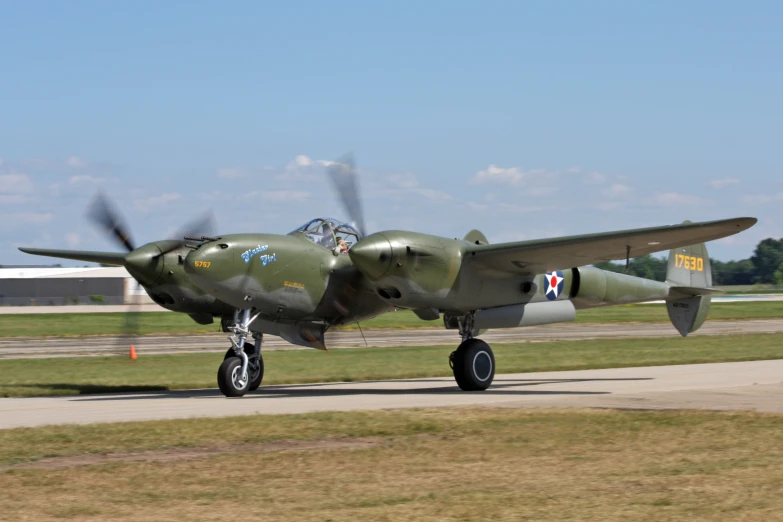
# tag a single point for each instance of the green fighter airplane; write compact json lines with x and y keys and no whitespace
{"x":327,"y":273}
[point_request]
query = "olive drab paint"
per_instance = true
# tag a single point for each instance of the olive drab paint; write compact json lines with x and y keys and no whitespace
{"x":299,"y":285}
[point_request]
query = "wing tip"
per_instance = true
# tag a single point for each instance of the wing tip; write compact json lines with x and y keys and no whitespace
{"x":744,"y":223}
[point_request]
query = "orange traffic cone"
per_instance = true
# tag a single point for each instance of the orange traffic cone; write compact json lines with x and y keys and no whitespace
{"x":133,"y":355}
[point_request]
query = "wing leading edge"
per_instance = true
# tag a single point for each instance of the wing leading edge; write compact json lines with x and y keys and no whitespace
{"x":108,"y":258}
{"x":545,"y":255}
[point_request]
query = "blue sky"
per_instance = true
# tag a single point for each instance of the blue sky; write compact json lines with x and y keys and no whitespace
{"x":521,"y":119}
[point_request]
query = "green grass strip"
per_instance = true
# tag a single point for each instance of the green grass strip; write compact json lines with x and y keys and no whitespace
{"x":68,"y":376}
{"x":36,"y":325}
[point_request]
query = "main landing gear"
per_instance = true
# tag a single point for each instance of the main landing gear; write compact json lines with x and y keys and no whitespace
{"x":473,"y":362}
{"x":243,"y":366}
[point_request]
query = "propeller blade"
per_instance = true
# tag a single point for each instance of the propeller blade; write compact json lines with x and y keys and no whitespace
{"x":345,"y":182}
{"x":102,"y":213}
{"x":202,"y":226}
{"x":129,"y":332}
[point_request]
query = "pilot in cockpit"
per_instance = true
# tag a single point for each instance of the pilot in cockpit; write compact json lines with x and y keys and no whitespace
{"x":342,"y":245}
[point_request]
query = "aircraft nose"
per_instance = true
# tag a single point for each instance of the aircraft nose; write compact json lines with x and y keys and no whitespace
{"x":205,"y":264}
{"x":372,"y":255}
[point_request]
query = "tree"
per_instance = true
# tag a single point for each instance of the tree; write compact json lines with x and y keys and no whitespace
{"x":733,"y":272}
{"x":647,"y":266}
{"x":779,"y":275}
{"x":766,"y":259}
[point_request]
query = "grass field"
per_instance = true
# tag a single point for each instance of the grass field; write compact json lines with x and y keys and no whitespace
{"x":449,"y":464}
{"x":37,"y":325}
{"x":65,"y":376}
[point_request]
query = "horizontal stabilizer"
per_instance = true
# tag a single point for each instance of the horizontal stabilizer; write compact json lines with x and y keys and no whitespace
{"x":107,"y":258}
{"x":694,"y":290}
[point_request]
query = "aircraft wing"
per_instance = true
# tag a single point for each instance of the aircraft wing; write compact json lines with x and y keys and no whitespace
{"x":546,"y":255}
{"x":107,"y":258}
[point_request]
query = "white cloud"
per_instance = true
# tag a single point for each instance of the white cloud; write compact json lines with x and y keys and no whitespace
{"x":617,"y":190}
{"x":407,"y":182}
{"x":72,"y":239}
{"x":512,"y":176}
{"x":16,"y":189}
{"x":76,"y":162}
{"x":303,"y":167}
{"x":302,"y":161}
{"x":670,"y":199}
{"x":432,"y":194}
{"x":15,"y":184}
{"x":74,"y":180}
{"x":720,"y":183}
{"x":593,"y":178}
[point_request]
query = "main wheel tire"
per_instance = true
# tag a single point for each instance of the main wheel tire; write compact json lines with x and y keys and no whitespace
{"x":256,"y":373}
{"x":474,"y":365}
{"x":229,"y":378}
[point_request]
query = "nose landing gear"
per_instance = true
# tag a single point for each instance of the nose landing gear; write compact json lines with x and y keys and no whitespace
{"x":242,"y":369}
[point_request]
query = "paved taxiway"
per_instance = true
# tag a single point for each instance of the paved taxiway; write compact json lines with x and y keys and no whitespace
{"x":16,"y":348}
{"x":754,"y":385}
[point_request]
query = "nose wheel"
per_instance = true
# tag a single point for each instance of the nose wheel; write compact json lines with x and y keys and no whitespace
{"x":231,"y":381}
{"x":242,"y":369}
{"x":255,"y":365}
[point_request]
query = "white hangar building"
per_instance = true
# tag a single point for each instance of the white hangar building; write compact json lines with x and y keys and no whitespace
{"x":52,"y":286}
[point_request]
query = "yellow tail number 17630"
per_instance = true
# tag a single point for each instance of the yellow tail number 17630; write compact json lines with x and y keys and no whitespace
{"x":689,"y":262}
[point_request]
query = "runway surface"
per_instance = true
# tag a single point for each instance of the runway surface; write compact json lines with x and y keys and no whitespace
{"x":756,"y":385}
{"x":18,"y":348}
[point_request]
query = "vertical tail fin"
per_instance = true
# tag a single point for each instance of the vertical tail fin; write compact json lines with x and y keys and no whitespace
{"x":689,"y":276}
{"x":689,"y":267}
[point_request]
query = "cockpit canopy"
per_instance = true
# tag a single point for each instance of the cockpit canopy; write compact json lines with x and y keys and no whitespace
{"x":330,"y":233}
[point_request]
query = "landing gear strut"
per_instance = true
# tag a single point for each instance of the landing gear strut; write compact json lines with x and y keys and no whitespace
{"x":473,"y":362}
{"x":243,"y":367}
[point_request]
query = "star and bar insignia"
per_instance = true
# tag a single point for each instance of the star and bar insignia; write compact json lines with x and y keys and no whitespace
{"x":553,"y":284}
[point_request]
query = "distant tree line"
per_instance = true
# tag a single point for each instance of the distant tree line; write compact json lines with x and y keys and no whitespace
{"x":765,"y":266}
